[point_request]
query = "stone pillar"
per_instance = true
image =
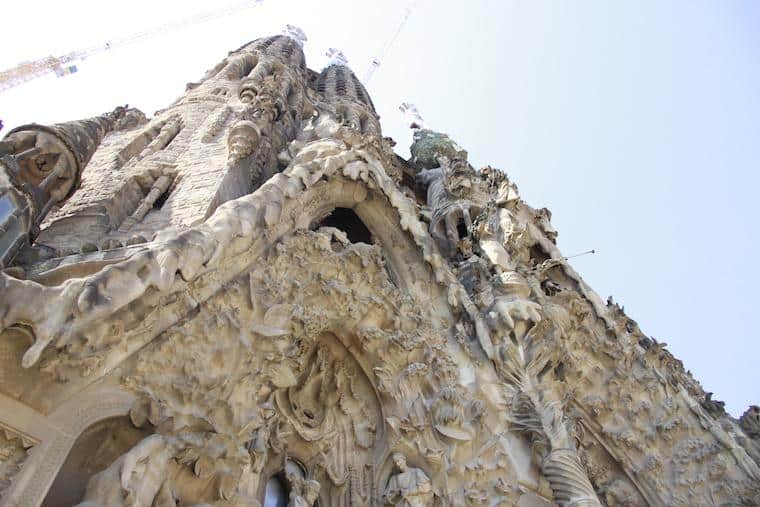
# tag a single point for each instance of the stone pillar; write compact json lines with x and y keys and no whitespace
{"x":568,"y":479}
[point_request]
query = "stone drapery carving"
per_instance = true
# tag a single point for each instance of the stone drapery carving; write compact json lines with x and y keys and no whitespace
{"x":410,"y":487}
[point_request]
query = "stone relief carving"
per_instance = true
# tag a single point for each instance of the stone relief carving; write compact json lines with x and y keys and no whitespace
{"x":750,"y":422}
{"x":303,"y":493}
{"x":409,"y":487}
{"x":450,"y":357}
{"x":41,"y":167}
{"x":243,"y":139}
{"x":516,"y":344}
{"x":216,"y":124}
{"x":13,"y":452}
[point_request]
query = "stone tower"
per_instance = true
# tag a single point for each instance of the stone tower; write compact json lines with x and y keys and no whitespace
{"x":250,"y":300}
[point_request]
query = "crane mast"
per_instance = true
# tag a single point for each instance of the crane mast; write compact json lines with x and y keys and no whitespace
{"x":65,"y":64}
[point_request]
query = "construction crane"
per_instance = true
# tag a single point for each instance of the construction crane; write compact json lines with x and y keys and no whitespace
{"x":65,"y":64}
{"x":376,"y":62}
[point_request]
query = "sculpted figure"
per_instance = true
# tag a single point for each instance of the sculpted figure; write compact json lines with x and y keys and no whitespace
{"x":304,"y":492}
{"x":257,"y":451}
{"x":410,"y":487}
{"x":138,"y":478}
{"x":750,"y":423}
{"x":619,"y":492}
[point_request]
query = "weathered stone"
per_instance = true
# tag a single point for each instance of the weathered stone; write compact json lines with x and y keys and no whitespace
{"x":305,"y":327}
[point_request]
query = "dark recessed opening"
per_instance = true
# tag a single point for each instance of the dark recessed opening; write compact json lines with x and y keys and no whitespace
{"x":162,"y":199}
{"x":547,"y":367}
{"x":537,"y":254}
{"x":279,"y":486}
{"x":277,"y":491}
{"x":462,"y":229}
{"x":349,"y":222}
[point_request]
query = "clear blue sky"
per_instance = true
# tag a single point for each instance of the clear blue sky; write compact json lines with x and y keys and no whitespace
{"x":637,"y":123}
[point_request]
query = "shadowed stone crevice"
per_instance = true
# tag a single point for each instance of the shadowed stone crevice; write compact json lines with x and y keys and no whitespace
{"x":346,"y":220}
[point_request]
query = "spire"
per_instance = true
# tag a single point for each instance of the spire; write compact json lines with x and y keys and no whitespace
{"x":41,"y":166}
{"x":79,"y":138}
{"x":337,"y":81}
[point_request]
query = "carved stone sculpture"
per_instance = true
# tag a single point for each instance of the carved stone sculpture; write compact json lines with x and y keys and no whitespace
{"x":410,"y":487}
{"x":269,"y":302}
{"x":243,"y":139}
{"x":40,"y":167}
{"x":135,"y":479}
{"x":303,"y":493}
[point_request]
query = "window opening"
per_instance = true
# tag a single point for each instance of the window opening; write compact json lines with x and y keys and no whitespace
{"x":349,"y":222}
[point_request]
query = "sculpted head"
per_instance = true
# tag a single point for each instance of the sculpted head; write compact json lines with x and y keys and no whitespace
{"x":400,"y":461}
{"x":312,"y":491}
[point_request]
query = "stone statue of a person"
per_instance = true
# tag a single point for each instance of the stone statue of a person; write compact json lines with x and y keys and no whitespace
{"x":303,"y":493}
{"x":410,"y":487}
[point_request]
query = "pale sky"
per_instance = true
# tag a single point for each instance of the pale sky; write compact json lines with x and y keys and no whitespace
{"x":636,"y":123}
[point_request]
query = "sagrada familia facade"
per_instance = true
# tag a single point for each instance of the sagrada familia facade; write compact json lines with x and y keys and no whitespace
{"x":251,"y":300}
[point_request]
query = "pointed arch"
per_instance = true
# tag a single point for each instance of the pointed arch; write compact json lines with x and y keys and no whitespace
{"x":189,"y":267}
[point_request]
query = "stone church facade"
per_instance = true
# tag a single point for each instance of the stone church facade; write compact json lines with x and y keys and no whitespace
{"x":251,"y":300}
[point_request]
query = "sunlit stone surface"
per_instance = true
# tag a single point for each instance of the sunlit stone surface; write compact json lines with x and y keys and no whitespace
{"x":250,"y":300}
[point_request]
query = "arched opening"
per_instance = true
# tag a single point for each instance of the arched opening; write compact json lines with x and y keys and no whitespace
{"x":349,"y":222}
{"x":94,"y":450}
{"x":277,"y":492}
{"x":280,"y":485}
{"x":538,"y":255}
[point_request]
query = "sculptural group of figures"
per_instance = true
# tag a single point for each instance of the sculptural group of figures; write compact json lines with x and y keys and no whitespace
{"x":334,"y":326}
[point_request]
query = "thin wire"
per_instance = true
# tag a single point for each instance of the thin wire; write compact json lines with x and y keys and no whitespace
{"x":579,"y":254}
{"x":535,"y":269}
